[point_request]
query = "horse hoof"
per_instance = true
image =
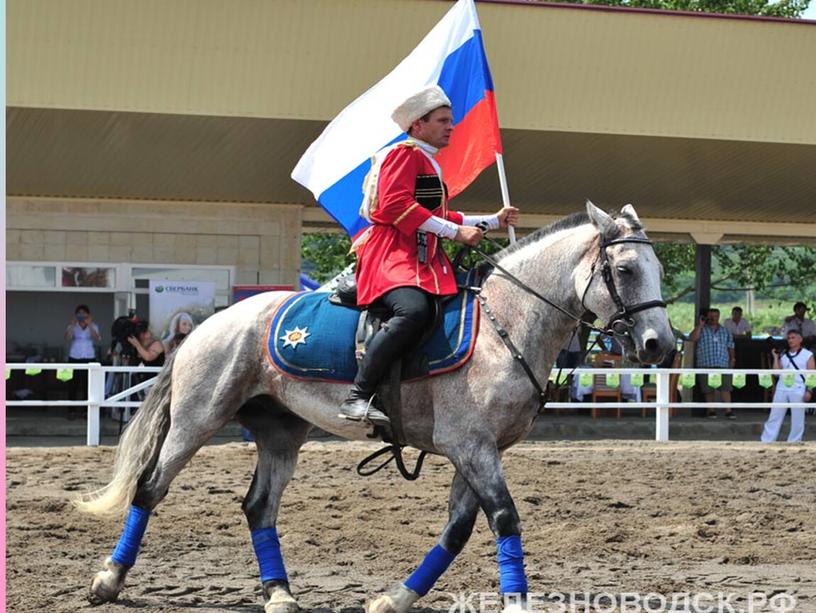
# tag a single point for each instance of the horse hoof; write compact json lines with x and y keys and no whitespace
{"x":397,"y":600}
{"x":281,"y":601}
{"x":107,"y":583}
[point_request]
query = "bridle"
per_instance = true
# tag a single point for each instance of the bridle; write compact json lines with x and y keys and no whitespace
{"x":621,"y":323}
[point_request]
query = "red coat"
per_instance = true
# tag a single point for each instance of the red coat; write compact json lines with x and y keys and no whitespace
{"x":389,"y":258}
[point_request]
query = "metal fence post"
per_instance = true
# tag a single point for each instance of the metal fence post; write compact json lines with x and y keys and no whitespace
{"x":662,"y":409}
{"x":96,"y":395}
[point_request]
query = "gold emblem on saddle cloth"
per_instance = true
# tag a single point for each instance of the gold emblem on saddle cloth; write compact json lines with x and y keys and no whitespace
{"x":293,"y":338}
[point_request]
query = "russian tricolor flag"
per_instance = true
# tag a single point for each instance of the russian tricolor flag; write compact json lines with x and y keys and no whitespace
{"x":452,"y":55}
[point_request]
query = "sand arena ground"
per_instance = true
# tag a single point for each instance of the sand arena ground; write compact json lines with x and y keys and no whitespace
{"x":598,"y":517}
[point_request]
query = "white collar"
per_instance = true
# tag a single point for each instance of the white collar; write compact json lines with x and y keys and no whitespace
{"x":430,"y":149}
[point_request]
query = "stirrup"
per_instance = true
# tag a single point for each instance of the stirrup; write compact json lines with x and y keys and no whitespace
{"x":379,"y":418}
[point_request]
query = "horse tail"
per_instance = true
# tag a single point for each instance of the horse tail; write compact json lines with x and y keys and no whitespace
{"x":137,"y":452}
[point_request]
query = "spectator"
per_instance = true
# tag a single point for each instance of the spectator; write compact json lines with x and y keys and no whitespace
{"x":736,"y":325}
{"x":150,"y":350}
{"x":715,"y":349}
{"x":180,"y":326}
{"x":82,"y":332}
{"x":795,"y":357}
{"x":797,"y":321}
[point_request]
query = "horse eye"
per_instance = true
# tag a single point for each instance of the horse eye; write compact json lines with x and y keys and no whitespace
{"x":625,"y":270}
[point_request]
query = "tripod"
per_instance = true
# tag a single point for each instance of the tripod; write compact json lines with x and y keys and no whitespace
{"x":120,"y":381}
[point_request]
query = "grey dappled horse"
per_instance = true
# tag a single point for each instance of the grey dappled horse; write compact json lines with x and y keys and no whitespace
{"x":470,"y":415}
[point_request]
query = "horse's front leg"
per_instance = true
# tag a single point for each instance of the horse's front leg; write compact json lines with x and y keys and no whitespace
{"x":480,"y":465}
{"x":463,"y":506}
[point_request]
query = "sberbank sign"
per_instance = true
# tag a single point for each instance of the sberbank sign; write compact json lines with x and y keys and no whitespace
{"x":177,"y":289}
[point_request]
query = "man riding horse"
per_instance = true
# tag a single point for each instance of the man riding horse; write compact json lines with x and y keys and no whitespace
{"x":401,"y":264}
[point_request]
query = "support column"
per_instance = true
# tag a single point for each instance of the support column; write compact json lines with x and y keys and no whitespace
{"x":702,"y":278}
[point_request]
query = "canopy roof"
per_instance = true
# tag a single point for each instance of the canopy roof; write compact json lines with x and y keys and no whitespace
{"x":704,"y":124}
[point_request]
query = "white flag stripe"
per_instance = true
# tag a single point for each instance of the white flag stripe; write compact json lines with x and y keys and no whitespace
{"x":365,"y":125}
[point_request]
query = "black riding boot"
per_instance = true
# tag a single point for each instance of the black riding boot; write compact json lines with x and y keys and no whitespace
{"x":389,"y":343}
{"x":359,"y":404}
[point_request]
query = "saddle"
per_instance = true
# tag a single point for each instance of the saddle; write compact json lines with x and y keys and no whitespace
{"x":415,"y":364}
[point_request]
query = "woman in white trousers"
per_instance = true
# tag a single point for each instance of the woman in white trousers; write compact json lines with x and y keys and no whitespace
{"x":796,"y":358}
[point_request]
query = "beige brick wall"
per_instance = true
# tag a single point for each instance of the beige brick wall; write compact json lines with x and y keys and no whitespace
{"x":262,"y":241}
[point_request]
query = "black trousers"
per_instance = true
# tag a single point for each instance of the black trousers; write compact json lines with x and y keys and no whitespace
{"x":410,"y":311}
{"x":78,"y":386}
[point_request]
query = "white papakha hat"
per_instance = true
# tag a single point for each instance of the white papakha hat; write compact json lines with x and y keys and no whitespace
{"x":418,"y":105}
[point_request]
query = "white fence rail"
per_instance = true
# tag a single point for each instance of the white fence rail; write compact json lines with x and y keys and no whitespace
{"x":661,"y":376}
{"x":96,"y":391}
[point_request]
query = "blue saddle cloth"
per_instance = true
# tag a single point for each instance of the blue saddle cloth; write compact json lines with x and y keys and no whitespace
{"x":311,"y":338}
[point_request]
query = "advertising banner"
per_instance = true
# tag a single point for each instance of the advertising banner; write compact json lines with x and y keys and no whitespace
{"x":176,"y":306}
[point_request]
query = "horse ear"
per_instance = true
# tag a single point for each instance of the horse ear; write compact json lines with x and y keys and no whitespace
{"x":605,"y":224}
{"x":629,"y":210}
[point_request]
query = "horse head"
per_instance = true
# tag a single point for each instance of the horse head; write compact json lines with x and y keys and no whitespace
{"x":623,"y":289}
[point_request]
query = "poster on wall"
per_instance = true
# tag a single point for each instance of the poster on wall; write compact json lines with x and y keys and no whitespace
{"x":73,"y":276}
{"x":179,"y":306}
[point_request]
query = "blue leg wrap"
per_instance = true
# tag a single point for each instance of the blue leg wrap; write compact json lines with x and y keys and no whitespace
{"x":128,"y":546}
{"x":432,"y":567}
{"x":267,"y":550}
{"x":511,"y":565}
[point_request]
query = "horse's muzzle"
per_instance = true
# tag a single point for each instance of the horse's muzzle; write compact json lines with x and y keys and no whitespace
{"x":652,"y":348}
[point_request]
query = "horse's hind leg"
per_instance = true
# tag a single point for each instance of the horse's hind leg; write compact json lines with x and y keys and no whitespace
{"x":278,"y":436}
{"x":184,"y":438}
{"x":463,"y":507}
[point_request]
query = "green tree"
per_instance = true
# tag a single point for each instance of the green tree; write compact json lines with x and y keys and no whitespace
{"x":327,"y":254}
{"x":763,"y":268}
{"x":783,"y":8}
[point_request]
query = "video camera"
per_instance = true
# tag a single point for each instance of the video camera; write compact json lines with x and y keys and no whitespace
{"x":122,"y":328}
{"x":775,"y":344}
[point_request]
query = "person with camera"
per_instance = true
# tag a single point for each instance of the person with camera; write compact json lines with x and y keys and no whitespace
{"x":82,"y":332}
{"x":150,"y":349}
{"x":796,"y":358}
{"x":715,"y":349}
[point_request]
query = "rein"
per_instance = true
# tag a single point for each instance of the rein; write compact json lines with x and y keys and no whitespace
{"x":620,"y":324}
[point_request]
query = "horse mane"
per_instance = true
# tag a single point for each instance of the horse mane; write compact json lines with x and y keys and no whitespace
{"x":565,"y":223}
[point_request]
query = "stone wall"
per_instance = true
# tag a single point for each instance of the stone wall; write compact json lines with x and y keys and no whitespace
{"x":262,"y":241}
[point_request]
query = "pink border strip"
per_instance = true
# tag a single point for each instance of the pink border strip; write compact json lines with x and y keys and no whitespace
{"x":662,"y":12}
{"x":3,"y":322}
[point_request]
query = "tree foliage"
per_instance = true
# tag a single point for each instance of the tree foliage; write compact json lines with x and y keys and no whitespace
{"x":764,"y":268}
{"x":783,"y":8}
{"x":327,"y":254}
